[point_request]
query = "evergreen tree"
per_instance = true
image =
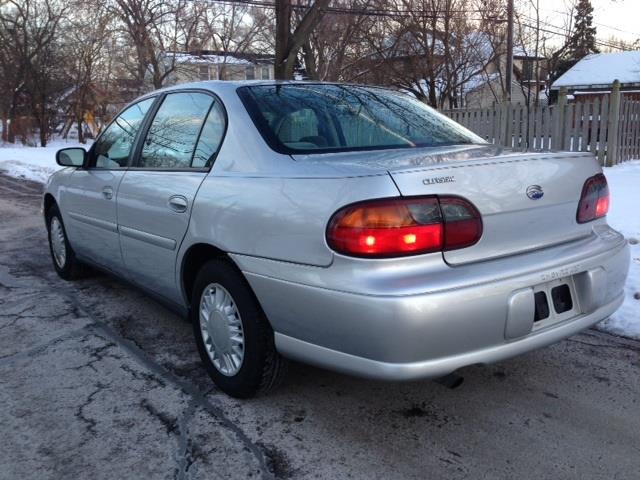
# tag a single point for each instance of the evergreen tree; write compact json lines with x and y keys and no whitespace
{"x":583,"y":39}
{"x":581,"y":43}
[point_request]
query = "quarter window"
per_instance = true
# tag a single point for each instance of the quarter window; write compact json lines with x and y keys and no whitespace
{"x":210,"y":138}
{"x":112,"y":149}
{"x":173,"y":134}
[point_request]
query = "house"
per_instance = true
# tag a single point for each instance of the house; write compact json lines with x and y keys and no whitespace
{"x":485,"y":90}
{"x":418,"y":64}
{"x":593,"y":76}
{"x":487,"y":87}
{"x":216,"y":65}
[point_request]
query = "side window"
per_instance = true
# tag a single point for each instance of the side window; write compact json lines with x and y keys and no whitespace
{"x":172,"y":136}
{"x":210,"y":138}
{"x":112,"y":149}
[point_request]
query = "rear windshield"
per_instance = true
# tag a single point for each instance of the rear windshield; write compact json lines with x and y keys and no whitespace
{"x":310,"y":118}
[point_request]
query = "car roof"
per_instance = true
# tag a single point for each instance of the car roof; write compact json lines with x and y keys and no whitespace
{"x":220,"y":86}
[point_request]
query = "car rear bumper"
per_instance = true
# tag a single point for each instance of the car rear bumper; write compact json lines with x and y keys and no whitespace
{"x":423,"y":319}
{"x":438,"y":367}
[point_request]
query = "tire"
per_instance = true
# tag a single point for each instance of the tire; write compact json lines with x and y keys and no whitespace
{"x":63,"y":257}
{"x":249,"y":365}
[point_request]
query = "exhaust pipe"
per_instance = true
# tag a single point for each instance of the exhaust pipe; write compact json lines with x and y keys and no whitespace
{"x":450,"y":381}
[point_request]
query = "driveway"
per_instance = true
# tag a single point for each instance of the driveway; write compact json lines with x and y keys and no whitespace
{"x":99,"y":381}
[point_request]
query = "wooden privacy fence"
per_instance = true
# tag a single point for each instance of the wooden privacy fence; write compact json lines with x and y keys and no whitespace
{"x":609,"y":127}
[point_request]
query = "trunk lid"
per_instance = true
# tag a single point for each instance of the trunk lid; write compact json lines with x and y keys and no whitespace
{"x":527,"y":200}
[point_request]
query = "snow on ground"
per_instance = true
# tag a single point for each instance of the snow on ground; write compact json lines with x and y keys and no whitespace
{"x":624,"y":216}
{"x":37,"y":163}
{"x":33,"y":163}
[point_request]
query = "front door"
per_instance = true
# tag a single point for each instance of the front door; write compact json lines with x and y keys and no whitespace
{"x":156,"y":195}
{"x":89,"y":200}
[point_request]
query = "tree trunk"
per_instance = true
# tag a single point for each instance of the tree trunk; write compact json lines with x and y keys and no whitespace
{"x":433,"y":95}
{"x":421,"y":96}
{"x":310,"y":62}
{"x":43,"y":121}
{"x":288,"y":44}
{"x":11,"y":135}
{"x":5,"y":128}
{"x":81,"y":138}
{"x":43,"y":131}
{"x":283,"y":31}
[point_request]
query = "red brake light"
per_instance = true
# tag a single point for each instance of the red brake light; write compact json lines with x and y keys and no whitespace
{"x":404,"y":226}
{"x":594,"y":201}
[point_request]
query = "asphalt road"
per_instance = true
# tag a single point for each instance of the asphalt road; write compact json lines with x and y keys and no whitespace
{"x":99,"y":381}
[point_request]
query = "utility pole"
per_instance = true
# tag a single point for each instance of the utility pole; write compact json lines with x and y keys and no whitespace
{"x":509,"y":73}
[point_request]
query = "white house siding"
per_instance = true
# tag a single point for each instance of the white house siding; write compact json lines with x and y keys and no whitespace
{"x":489,"y":93}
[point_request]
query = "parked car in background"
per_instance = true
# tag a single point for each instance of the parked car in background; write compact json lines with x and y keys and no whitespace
{"x":349,"y":227}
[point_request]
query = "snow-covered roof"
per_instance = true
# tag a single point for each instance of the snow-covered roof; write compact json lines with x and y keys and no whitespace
{"x":480,"y":80}
{"x":188,"y":58}
{"x":601,"y":69}
{"x":520,"y":51}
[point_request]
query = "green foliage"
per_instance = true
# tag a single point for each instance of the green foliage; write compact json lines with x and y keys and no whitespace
{"x":581,"y":43}
{"x":583,"y":39}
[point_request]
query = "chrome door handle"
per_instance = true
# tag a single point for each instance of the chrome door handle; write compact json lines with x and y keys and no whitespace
{"x":107,"y":192}
{"x":178,"y":203}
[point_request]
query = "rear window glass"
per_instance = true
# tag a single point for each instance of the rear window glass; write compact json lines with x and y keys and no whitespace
{"x":310,"y":118}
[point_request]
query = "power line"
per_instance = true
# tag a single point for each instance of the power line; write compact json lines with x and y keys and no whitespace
{"x":597,"y":23}
{"x":404,"y":13}
{"x":374,"y":12}
{"x":561,"y":33}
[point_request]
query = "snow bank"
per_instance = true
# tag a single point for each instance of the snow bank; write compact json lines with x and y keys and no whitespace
{"x":624,"y":216}
{"x":33,"y":163}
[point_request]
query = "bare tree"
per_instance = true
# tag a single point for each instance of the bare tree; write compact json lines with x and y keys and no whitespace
{"x":338,"y":41}
{"x":28,"y":33}
{"x":235,"y":30}
{"x":288,"y":43}
{"x":85,"y":45}
{"x":429,"y":48}
{"x":616,"y":44}
{"x":157,"y":29}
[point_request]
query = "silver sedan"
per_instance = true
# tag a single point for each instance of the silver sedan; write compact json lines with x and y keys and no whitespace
{"x":349,"y":227}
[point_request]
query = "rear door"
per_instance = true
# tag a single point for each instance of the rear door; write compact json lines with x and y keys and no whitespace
{"x":89,"y":202}
{"x":156,"y":195}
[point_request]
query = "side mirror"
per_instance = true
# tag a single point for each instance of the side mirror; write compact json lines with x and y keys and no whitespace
{"x":71,"y":157}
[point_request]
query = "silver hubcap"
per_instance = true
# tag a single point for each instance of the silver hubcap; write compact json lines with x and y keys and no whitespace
{"x":221,"y":329}
{"x":58,"y":246}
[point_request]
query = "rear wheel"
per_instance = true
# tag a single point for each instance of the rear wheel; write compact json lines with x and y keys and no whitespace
{"x":233,"y":336}
{"x":63,"y":256}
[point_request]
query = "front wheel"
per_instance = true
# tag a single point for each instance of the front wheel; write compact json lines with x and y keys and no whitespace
{"x":63,"y":256}
{"x":233,"y":336}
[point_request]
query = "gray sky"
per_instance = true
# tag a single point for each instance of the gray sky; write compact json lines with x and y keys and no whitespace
{"x":620,"y":18}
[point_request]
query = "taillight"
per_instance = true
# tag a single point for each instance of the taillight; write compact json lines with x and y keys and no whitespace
{"x":462,"y":223}
{"x":404,"y":226}
{"x":594,"y":201}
